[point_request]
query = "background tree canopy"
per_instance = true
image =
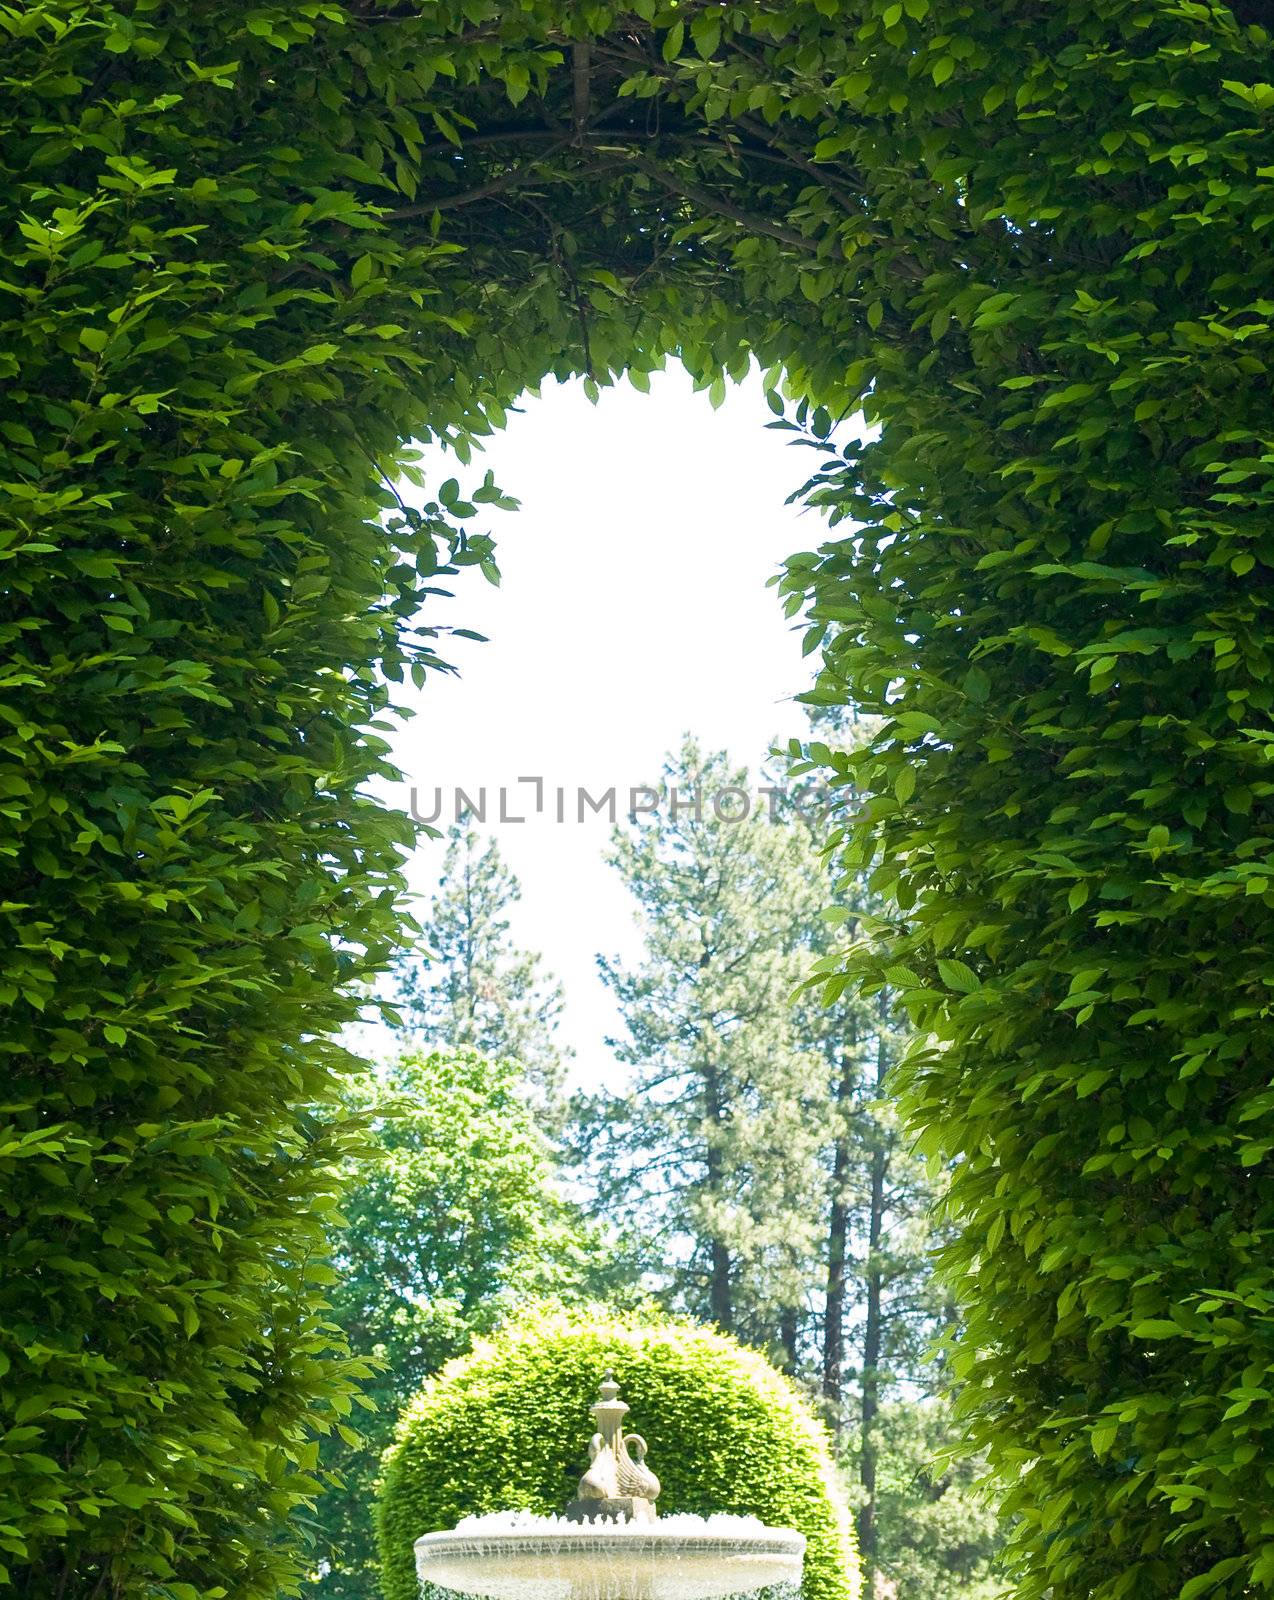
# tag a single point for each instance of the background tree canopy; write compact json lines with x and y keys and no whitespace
{"x":758,"y":1141}
{"x":757,"y":1164}
{"x":454,"y":1220}
{"x":252,"y":250}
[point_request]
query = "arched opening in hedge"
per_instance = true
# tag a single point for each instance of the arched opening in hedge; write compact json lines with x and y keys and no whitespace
{"x":249,"y":255}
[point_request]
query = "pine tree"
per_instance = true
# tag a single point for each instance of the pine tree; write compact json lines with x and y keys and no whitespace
{"x":477,"y":989}
{"x":711,"y":1151}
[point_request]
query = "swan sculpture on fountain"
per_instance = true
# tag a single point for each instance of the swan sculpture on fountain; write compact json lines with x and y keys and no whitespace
{"x":615,"y":1485}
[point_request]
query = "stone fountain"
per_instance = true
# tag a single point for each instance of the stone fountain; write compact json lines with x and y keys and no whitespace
{"x":610,"y":1543}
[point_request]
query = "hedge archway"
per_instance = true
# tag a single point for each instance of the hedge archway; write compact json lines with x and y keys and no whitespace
{"x":250,"y":251}
{"x":507,"y":1427}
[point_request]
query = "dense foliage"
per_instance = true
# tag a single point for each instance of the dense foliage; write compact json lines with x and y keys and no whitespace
{"x":508,"y":1427}
{"x":1057,"y":601}
{"x":936,"y":1530}
{"x":250,"y":250}
{"x":452,"y":1218}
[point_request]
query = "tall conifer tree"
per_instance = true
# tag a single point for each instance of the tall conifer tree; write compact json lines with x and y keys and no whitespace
{"x":755,"y":1148}
{"x":712,"y":1147}
{"x":476,"y":988}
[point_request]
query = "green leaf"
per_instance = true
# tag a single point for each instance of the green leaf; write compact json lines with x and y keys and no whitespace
{"x":705,"y":30}
{"x":1216,"y":1574}
{"x":977,"y":685}
{"x":958,"y":976}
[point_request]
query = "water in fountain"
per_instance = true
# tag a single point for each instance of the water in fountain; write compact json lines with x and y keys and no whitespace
{"x":790,"y":1590}
{"x":516,"y":1555}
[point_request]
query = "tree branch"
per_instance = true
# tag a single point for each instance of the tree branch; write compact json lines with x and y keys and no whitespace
{"x":719,"y":206}
{"x":581,"y":84}
{"x":517,"y":177}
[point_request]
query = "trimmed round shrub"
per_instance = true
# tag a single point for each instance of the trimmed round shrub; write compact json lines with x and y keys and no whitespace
{"x":507,"y":1428}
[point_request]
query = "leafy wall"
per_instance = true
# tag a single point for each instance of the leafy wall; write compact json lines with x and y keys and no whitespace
{"x":250,"y":250}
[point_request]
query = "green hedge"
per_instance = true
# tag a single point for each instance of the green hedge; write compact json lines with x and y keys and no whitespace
{"x":1050,"y":584}
{"x":249,"y":250}
{"x":507,"y":1428}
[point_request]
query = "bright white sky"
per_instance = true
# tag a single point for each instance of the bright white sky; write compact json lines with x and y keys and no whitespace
{"x":633,"y":608}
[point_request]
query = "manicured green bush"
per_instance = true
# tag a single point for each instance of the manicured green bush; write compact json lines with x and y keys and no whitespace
{"x":507,"y":1428}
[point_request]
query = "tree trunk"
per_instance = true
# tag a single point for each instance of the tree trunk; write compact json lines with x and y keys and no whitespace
{"x":720,"y":1287}
{"x":838,"y":1241}
{"x":873,"y":1332}
{"x":720,"y":1296}
{"x":788,"y":1335}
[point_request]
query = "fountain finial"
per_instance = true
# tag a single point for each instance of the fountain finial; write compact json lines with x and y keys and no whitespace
{"x":615,"y":1484}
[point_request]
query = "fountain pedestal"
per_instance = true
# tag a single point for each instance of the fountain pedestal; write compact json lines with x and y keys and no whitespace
{"x":615,"y":1487}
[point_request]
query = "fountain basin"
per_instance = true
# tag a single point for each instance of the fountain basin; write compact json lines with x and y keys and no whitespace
{"x":522,"y":1557}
